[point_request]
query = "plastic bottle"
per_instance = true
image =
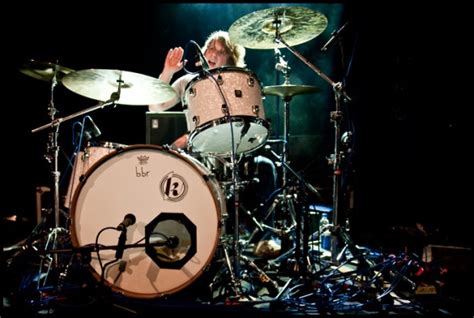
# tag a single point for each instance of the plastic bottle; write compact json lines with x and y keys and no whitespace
{"x":325,"y":234}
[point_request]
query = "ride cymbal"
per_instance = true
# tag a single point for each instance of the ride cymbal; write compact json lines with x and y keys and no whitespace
{"x":135,"y":89}
{"x":297,"y":25}
{"x":288,"y":90}
{"x":44,"y":71}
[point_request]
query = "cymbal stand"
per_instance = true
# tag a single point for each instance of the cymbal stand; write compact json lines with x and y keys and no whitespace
{"x":292,"y":200}
{"x":336,"y":117}
{"x":53,"y":146}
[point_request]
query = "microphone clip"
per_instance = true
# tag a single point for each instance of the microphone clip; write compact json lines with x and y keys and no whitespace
{"x":121,"y":244}
{"x":334,"y":36}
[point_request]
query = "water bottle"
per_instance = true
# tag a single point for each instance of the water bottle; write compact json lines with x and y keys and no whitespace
{"x":325,"y":234}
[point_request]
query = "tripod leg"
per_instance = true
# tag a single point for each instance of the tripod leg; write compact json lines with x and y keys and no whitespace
{"x":271,"y":285}
{"x":233,"y":280}
{"x":260,"y":227}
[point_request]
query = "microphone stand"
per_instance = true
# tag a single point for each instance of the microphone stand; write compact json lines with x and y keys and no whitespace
{"x":85,"y":252}
{"x":97,"y":248}
{"x":335,"y":117}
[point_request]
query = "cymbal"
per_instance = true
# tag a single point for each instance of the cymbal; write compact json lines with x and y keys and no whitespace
{"x":257,"y":29}
{"x":288,"y":90}
{"x":44,"y":71}
{"x":136,"y":89}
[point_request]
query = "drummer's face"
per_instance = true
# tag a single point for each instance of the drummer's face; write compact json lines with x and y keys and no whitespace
{"x":217,"y":55}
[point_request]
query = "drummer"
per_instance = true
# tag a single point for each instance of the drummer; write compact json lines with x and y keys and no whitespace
{"x":219,"y":51}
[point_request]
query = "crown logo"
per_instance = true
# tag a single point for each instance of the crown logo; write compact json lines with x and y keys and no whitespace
{"x":143,"y":159}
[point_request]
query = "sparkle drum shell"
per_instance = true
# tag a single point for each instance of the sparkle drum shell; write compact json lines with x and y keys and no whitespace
{"x":213,"y":94}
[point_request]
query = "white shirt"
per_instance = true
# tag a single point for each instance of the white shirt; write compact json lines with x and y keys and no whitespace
{"x":179,"y":87}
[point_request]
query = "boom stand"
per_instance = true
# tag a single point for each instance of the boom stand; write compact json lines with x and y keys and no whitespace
{"x":336,"y":117}
{"x":52,"y":158}
{"x":288,"y":197}
{"x":53,"y":146}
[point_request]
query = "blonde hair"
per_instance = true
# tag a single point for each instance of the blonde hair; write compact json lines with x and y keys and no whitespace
{"x":236,"y":51}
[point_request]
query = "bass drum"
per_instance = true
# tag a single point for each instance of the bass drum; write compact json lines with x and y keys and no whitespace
{"x":169,"y":208}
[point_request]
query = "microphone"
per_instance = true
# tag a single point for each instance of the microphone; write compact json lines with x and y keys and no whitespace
{"x":170,"y":242}
{"x":128,"y":220}
{"x":334,"y":36}
{"x":94,"y":129}
{"x":202,"y":59}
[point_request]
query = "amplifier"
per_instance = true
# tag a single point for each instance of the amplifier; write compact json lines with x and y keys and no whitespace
{"x":165,"y":127}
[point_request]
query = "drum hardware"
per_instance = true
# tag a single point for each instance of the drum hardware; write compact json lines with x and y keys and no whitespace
{"x":50,"y":72}
{"x":124,"y":87}
{"x":289,"y":196}
{"x":271,"y":285}
{"x":234,"y":268}
{"x":242,"y":32}
{"x":227,"y":284}
{"x":85,"y":254}
{"x":336,"y":117}
{"x":53,"y":147}
{"x":53,"y":137}
{"x":202,"y":136}
{"x":281,"y":28}
{"x":40,"y":191}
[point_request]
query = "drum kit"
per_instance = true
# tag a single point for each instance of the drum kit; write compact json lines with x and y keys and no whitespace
{"x":168,"y":198}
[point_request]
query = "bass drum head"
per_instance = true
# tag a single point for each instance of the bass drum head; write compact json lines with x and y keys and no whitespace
{"x":177,"y":206}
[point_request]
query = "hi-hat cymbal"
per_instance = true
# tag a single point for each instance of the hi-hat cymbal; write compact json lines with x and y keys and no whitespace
{"x":288,"y":90}
{"x":136,"y":89}
{"x":44,"y":71}
{"x":257,"y":30}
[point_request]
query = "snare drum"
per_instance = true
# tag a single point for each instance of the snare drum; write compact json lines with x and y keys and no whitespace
{"x":174,"y":199}
{"x":222,"y":96}
{"x":84,"y":160}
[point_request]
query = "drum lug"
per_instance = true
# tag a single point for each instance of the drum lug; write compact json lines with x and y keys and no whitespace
{"x":196,"y":120}
{"x":255,"y":109}
{"x":220,"y":81}
{"x":250,"y":81}
{"x":224,"y":109}
{"x":192,"y":92}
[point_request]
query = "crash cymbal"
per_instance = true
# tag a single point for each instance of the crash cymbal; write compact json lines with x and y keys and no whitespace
{"x":44,"y":71}
{"x":136,"y":89}
{"x":288,"y":90}
{"x":257,"y":30}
